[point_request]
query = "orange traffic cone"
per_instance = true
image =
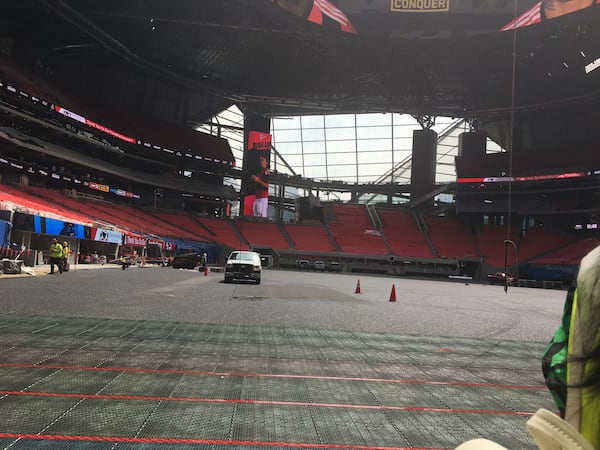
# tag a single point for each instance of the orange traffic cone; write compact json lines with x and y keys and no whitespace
{"x":393,"y":293}
{"x":206,"y":270}
{"x":357,"y":291}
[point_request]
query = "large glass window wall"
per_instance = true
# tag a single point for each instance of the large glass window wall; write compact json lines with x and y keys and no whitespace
{"x":353,"y":148}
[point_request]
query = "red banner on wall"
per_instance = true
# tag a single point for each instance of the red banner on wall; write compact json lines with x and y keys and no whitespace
{"x":258,"y":140}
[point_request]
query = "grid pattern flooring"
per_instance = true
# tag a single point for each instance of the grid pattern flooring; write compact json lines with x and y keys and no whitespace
{"x":82,"y":383}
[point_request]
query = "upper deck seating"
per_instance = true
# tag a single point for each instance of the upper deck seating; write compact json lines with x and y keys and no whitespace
{"x":111,"y":120}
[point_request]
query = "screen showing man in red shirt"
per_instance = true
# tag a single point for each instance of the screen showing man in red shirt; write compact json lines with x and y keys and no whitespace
{"x":548,"y":9}
{"x":261,"y":188}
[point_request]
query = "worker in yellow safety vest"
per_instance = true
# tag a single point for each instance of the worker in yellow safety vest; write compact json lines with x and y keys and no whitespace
{"x":56,"y":256}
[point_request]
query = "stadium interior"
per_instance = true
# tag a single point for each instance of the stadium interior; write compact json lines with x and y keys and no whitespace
{"x":101,"y":103}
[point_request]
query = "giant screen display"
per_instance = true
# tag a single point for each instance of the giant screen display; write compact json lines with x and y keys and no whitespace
{"x":256,"y":174}
{"x":430,"y":18}
{"x":543,"y":165}
{"x":56,"y":227}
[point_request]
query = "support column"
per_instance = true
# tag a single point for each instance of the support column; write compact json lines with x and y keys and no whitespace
{"x":280,"y":203}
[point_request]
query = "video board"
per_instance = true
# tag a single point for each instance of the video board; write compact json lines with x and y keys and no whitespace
{"x":256,"y":174}
{"x":532,"y":166}
{"x":57,"y":227}
{"x":429,"y":18}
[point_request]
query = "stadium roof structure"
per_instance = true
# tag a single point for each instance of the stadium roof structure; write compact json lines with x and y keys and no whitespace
{"x":183,"y":62}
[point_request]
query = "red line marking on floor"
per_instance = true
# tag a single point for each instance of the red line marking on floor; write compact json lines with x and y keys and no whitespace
{"x":263,"y":402}
{"x":56,"y":437}
{"x":270,"y":375}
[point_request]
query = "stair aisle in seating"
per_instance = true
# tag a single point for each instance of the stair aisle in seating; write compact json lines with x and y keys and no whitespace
{"x":310,"y":238}
{"x":224,"y":232}
{"x":450,"y":237}
{"x":402,"y":233}
{"x":263,"y":234}
{"x":354,"y":231}
{"x":490,"y":241}
{"x":186,"y":222}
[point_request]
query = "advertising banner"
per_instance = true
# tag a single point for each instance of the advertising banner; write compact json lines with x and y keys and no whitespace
{"x":103,"y":235}
{"x":79,"y":118}
{"x":157,"y":242}
{"x":135,"y":241}
{"x":98,"y":186}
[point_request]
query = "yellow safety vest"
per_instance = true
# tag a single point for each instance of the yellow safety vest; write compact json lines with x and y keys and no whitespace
{"x":56,"y":250}
{"x":583,"y":405}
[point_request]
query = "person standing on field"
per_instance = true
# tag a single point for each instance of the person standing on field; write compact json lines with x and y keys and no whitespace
{"x":56,"y":256}
{"x":65,"y":257}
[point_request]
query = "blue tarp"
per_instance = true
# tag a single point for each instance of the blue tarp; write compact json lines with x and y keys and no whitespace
{"x":186,"y":246}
